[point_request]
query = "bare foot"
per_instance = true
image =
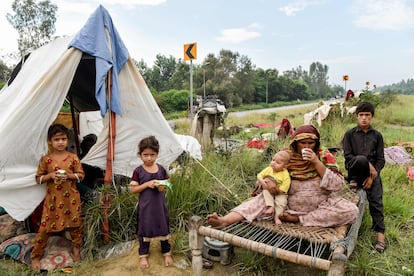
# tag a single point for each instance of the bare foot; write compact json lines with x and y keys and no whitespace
{"x":143,"y":262}
{"x":215,"y":221}
{"x":269,"y":210}
{"x":277,"y":220}
{"x":36,"y":264}
{"x":288,"y":217}
{"x":76,"y":254}
{"x":168,"y":260}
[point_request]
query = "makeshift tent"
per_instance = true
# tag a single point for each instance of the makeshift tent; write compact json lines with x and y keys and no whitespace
{"x":76,"y":68}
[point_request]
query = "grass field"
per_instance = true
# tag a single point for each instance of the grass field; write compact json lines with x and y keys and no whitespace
{"x":224,"y":178}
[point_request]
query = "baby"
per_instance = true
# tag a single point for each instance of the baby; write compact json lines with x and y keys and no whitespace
{"x":275,"y":175}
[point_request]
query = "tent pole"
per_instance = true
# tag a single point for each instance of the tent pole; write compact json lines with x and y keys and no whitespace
{"x":75,"y":126}
{"x":109,"y":162}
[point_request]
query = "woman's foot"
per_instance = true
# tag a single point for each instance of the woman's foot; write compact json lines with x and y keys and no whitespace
{"x":36,"y":264}
{"x":289,"y":217}
{"x":76,"y":254}
{"x":168,"y":260}
{"x":143,"y":262}
{"x":216,"y":221}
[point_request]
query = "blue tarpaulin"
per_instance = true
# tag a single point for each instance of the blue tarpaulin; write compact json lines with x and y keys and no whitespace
{"x":92,"y":39}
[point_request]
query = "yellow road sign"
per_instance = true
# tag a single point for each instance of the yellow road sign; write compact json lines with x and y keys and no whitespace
{"x":190,"y":51}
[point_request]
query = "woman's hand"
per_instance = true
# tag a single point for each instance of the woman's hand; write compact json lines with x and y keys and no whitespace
{"x":309,"y":155}
{"x":271,"y":187}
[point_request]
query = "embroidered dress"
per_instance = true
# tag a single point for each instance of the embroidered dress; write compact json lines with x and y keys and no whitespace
{"x":153,"y":217}
{"x":62,"y":206}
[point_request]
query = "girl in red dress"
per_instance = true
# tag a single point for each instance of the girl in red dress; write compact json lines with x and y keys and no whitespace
{"x":60,"y":170}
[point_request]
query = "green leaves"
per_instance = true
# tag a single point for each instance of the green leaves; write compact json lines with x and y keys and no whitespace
{"x":34,"y":21}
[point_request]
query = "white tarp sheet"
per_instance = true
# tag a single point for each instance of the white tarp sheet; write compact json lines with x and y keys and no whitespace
{"x":33,"y":100}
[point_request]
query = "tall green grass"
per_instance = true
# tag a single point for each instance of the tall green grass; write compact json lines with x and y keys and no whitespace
{"x":222,"y":179}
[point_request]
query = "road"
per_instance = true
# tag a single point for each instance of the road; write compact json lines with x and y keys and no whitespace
{"x":269,"y":110}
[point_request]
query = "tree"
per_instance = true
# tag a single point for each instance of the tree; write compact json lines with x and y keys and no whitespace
{"x":35,"y":23}
{"x":318,"y":75}
{"x":5,"y":72}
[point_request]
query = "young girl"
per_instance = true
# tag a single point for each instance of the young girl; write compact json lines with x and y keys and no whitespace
{"x":153,"y":218}
{"x":60,"y":170}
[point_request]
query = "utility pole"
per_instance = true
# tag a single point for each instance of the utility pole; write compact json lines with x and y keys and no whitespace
{"x":191,"y":89}
{"x":204,"y":79}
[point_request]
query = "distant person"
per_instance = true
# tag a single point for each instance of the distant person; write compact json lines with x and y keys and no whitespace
{"x":364,"y":159}
{"x":60,"y":170}
{"x":153,"y":218}
{"x":349,"y":94}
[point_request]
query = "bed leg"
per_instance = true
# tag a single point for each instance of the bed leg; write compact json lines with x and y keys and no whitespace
{"x":196,"y":245}
{"x":339,"y":260}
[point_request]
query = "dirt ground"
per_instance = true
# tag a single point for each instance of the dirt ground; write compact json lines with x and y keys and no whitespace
{"x":128,"y":264}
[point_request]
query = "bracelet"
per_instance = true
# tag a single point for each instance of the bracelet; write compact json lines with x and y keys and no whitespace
{"x":40,"y":179}
{"x":77,"y":177}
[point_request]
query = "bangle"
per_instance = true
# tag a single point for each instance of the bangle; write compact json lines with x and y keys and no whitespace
{"x":40,"y":179}
{"x":77,"y":177}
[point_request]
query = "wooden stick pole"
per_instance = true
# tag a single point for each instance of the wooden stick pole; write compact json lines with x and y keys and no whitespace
{"x":196,"y":245}
{"x":109,"y":163}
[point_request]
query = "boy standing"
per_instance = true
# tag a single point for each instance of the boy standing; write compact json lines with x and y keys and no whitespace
{"x":364,"y":159}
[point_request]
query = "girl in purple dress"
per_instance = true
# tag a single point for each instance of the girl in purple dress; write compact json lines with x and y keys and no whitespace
{"x":153,"y":218}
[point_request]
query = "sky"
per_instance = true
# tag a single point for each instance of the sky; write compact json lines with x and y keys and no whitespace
{"x":368,"y":40}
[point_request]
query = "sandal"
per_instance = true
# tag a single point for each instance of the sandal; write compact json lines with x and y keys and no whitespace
{"x":380,"y":247}
{"x":353,"y":186}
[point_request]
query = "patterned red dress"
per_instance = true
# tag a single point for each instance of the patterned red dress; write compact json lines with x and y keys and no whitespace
{"x":62,"y":205}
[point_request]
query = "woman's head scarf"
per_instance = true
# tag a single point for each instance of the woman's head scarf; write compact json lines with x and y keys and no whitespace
{"x":305,"y":132}
{"x":302,"y":169}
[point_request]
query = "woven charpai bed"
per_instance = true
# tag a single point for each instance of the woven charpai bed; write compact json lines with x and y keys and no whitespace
{"x":321,"y":248}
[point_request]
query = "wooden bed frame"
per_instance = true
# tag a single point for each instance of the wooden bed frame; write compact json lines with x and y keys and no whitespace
{"x":321,"y":248}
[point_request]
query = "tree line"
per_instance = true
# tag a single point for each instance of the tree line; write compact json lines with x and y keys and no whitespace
{"x":235,"y":80}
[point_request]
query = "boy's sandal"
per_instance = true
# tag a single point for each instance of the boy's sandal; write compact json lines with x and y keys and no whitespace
{"x":353,"y":186}
{"x":380,"y":246}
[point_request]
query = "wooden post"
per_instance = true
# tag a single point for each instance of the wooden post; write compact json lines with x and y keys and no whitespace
{"x":109,"y":163}
{"x":339,"y":260}
{"x":75,"y":125}
{"x":196,"y":244}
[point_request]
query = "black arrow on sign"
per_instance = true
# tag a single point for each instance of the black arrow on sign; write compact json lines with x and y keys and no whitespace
{"x":188,"y":52}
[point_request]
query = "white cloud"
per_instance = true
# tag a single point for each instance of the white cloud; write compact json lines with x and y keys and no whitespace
{"x":384,"y":14}
{"x":293,"y":8}
{"x":237,"y":35}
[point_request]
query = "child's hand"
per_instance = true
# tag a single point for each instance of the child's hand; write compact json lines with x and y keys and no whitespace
{"x":367,"y":183}
{"x":151,"y":184}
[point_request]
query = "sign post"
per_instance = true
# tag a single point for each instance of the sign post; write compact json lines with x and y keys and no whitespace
{"x":345,"y":78}
{"x":190,"y":53}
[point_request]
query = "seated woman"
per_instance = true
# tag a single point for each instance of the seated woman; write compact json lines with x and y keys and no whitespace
{"x":315,"y":178}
